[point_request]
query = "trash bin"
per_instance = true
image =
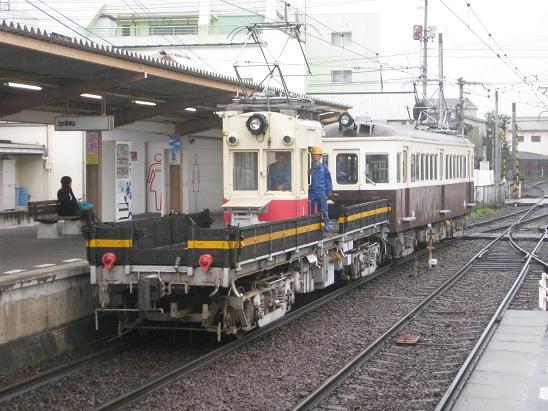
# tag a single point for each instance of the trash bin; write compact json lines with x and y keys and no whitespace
{"x":23,"y":197}
{"x":17,"y":194}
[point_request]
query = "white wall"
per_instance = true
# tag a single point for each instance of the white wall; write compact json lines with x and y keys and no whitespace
{"x":65,"y":150}
{"x":202,"y":172}
{"x":138,"y":140}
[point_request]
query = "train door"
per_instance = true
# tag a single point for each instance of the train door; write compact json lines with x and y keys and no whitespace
{"x":403,"y":173}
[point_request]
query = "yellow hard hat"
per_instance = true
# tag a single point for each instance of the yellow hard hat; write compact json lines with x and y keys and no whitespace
{"x":316,"y":150}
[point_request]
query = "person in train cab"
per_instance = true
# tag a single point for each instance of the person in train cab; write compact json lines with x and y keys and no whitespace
{"x":66,"y":200}
{"x":342,"y":170}
{"x":279,"y":173}
{"x":320,"y":187}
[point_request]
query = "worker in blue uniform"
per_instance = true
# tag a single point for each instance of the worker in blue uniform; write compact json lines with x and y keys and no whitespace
{"x":320,"y":187}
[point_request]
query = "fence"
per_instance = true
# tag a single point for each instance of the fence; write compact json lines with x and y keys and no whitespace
{"x":493,"y":194}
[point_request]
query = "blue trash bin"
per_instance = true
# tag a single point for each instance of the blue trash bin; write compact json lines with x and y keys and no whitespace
{"x":23,"y":196}
{"x":17,"y":194}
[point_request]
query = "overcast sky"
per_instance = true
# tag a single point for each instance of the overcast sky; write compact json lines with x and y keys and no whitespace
{"x":518,"y":30}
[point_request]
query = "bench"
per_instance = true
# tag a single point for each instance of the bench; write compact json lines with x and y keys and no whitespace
{"x":45,"y":213}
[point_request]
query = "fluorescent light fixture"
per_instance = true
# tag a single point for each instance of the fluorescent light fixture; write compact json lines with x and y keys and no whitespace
{"x":144,"y":103}
{"x":190,"y":109}
{"x":25,"y":86}
{"x":93,"y":96}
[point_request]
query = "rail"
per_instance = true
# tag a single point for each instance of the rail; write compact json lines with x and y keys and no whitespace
{"x":131,"y":397}
{"x":336,"y":379}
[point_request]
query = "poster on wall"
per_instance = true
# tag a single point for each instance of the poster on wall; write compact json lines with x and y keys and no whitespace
{"x":92,"y":148}
{"x":122,"y":174}
{"x":174,"y":150}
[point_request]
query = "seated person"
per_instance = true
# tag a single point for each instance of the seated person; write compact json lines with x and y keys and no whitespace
{"x":279,"y":174}
{"x":66,"y":200}
{"x":342,"y":172}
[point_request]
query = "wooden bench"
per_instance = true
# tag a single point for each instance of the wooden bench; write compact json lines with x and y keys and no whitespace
{"x":45,"y":213}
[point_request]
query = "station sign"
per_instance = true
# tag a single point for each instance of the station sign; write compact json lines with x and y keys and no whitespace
{"x":84,"y":123}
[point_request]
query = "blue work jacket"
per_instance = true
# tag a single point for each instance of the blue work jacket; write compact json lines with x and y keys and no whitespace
{"x":321,"y":179}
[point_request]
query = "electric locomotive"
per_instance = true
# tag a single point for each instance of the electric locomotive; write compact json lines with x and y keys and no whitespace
{"x":178,"y":271}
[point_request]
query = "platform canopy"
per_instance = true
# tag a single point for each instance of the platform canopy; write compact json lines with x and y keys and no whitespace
{"x":132,"y":87}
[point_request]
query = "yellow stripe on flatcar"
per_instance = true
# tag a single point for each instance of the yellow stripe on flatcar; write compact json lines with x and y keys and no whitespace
{"x":363,"y":214}
{"x":109,"y":243}
{"x":215,"y":244}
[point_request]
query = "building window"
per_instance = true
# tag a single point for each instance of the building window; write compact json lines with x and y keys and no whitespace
{"x":520,"y":139}
{"x":343,"y":39}
{"x":126,"y":30}
{"x":347,"y":168}
{"x":172,"y":30}
{"x":341,"y":76}
{"x":245,"y":174}
{"x":535,"y":139}
{"x":376,"y":168}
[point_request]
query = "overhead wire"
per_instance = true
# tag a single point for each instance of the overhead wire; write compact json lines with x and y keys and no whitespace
{"x":512,"y":68}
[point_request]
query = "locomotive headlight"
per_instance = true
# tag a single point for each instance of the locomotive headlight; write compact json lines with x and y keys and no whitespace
{"x":345,"y":120}
{"x":232,"y":140}
{"x":288,"y":140}
{"x":256,"y":124}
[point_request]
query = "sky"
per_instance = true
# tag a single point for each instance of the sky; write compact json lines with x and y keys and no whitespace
{"x":474,"y":33}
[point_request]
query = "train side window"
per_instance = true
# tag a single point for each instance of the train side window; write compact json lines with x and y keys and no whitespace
{"x":376,"y":168}
{"x":245,"y":173}
{"x":435,"y":166}
{"x":347,"y":168}
{"x":431,"y":174}
{"x":398,"y":168}
{"x":413,"y":167}
{"x":422,"y":175}
{"x":279,"y":172}
{"x":404,"y":166}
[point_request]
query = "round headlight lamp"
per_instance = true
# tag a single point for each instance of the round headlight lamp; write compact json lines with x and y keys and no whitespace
{"x":256,"y":124}
{"x":345,"y":120}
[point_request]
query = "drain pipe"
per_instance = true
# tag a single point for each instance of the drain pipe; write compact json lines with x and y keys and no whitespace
{"x":48,"y":165}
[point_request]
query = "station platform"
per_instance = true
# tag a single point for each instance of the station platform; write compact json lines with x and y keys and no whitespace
{"x":512,"y":374}
{"x":20,"y":251}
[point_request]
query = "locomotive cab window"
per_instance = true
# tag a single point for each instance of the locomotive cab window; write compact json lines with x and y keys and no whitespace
{"x":279,"y":170}
{"x":245,"y":171}
{"x":376,"y":168}
{"x":347,"y":168}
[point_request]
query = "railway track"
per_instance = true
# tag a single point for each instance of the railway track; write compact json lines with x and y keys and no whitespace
{"x":195,"y":365}
{"x":435,"y":311}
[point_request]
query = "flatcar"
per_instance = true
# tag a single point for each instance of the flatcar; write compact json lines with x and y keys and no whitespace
{"x":181,"y":272}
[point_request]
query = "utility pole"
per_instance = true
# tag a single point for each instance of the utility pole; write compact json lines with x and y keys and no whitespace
{"x":424,"y":68}
{"x":460,"y":107}
{"x":496,"y":141}
{"x":514,"y":142}
{"x":441,"y":97}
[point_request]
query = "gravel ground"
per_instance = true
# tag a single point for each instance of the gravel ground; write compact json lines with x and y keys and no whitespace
{"x":416,"y":376}
{"x":275,"y":372}
{"x":102,"y":380}
{"x":527,"y":296}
